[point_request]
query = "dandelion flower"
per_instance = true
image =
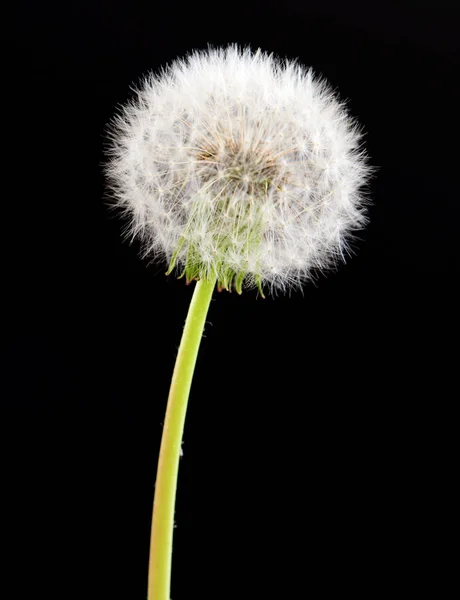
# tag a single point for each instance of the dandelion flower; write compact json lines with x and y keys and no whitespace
{"x":239,"y":166}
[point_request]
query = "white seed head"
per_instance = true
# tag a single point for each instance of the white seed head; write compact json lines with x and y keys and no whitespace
{"x":240,"y":166}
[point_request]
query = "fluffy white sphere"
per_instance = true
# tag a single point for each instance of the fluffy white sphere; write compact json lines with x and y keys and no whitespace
{"x":240,"y":166}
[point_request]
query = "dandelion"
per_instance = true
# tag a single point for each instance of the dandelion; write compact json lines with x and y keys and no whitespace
{"x":239,"y":169}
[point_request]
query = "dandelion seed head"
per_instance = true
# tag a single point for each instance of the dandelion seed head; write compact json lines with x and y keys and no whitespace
{"x":237,"y":165}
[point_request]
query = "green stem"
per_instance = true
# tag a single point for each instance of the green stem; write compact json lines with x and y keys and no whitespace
{"x":159,"y":583}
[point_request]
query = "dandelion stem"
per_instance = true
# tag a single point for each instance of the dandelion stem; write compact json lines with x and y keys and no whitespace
{"x":159,"y":581}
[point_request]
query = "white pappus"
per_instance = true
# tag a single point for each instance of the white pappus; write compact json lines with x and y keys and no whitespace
{"x":237,"y":165}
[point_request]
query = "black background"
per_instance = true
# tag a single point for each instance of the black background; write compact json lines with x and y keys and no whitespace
{"x":318,"y":442}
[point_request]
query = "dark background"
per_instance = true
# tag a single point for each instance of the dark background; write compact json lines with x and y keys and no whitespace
{"x":317,"y":451}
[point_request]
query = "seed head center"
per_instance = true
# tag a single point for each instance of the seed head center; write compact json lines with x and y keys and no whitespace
{"x":234,"y":167}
